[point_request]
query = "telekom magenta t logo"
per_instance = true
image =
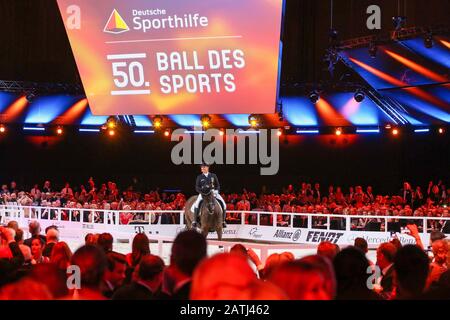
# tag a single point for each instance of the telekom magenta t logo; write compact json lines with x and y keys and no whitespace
{"x":116,"y":24}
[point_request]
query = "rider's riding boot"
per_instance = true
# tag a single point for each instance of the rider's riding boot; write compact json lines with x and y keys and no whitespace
{"x":224,"y":223}
{"x":194,"y":222}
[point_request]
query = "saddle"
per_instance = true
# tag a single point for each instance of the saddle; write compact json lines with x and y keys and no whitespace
{"x":200,"y":209}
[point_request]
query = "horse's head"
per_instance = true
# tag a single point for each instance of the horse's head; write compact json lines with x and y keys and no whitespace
{"x":208,"y":198}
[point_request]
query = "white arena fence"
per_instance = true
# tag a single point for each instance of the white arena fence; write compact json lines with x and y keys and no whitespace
{"x":267,"y":228}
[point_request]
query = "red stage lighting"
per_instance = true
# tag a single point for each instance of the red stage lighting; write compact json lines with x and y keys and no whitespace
{"x":338,"y":131}
{"x":2,"y":129}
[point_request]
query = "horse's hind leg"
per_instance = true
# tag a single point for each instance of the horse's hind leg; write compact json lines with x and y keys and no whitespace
{"x":219,"y":234}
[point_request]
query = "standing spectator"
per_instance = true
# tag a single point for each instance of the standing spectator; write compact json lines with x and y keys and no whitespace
{"x":11,"y":257}
{"x":37,"y":245}
{"x":114,"y":274}
{"x":146,"y":283}
{"x":61,"y":255}
{"x":46,"y":188}
{"x":407,"y":194}
{"x":328,"y":250}
{"x":92,"y":263}
{"x":351,"y":267}
{"x":439,"y":264}
{"x":105,"y":241}
{"x":52,"y":238}
{"x":35,"y":229}
{"x":411,"y":267}
{"x":301,"y":280}
{"x":188,"y":249}
{"x":140,"y":248}
{"x":385,"y":260}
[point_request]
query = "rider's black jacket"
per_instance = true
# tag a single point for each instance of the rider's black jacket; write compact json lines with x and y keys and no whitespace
{"x":203,"y":182}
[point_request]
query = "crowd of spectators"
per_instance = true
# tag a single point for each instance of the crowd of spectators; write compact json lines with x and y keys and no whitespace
{"x":433,"y":201}
{"x":43,"y":267}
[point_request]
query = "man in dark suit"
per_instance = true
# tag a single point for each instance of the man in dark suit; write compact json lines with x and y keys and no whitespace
{"x":52,"y":239}
{"x":385,"y":260}
{"x":206,"y":181}
{"x":35,"y":229}
{"x":147,"y":283}
{"x":114,"y":274}
{"x":188,"y":250}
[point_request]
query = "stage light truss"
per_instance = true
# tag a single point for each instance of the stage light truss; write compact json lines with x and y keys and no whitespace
{"x":40,"y":88}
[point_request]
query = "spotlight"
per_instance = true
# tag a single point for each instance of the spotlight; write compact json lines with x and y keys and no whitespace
{"x":373,"y":49}
{"x":253,"y":120}
{"x":388,"y":127}
{"x":30,"y":97}
{"x":338,"y":131}
{"x":395,"y":132}
{"x":206,"y":121}
{"x":157,"y":122}
{"x":222,"y":132}
{"x":111,"y":132}
{"x":428,"y":41}
{"x":280,"y":132}
{"x":334,"y":34}
{"x":440,"y":130}
{"x":314,"y":96}
{"x":167,"y":133}
{"x":2,"y":128}
{"x":359,"y":95}
{"x":59,"y":131}
{"x":398,"y":22}
{"x":111,"y":123}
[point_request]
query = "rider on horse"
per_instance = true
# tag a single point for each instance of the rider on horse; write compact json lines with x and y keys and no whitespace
{"x":204,"y":181}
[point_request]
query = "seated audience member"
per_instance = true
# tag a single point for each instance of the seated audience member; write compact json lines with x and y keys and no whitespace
{"x":301,"y":280}
{"x":411,"y":267}
{"x":35,"y":229}
{"x":221,"y":277}
{"x":49,"y":275}
{"x":61,"y":255}
{"x":146,"y":283}
{"x":37,"y":246}
{"x":11,"y":257}
{"x":439,"y":264}
{"x":328,"y":249}
{"x":114,"y":274}
{"x":385,"y":260}
{"x":188,"y":250}
{"x":105,"y":241}
{"x":25,"y":289}
{"x":92,"y":263}
{"x":52,"y":237}
{"x":351,"y":268}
